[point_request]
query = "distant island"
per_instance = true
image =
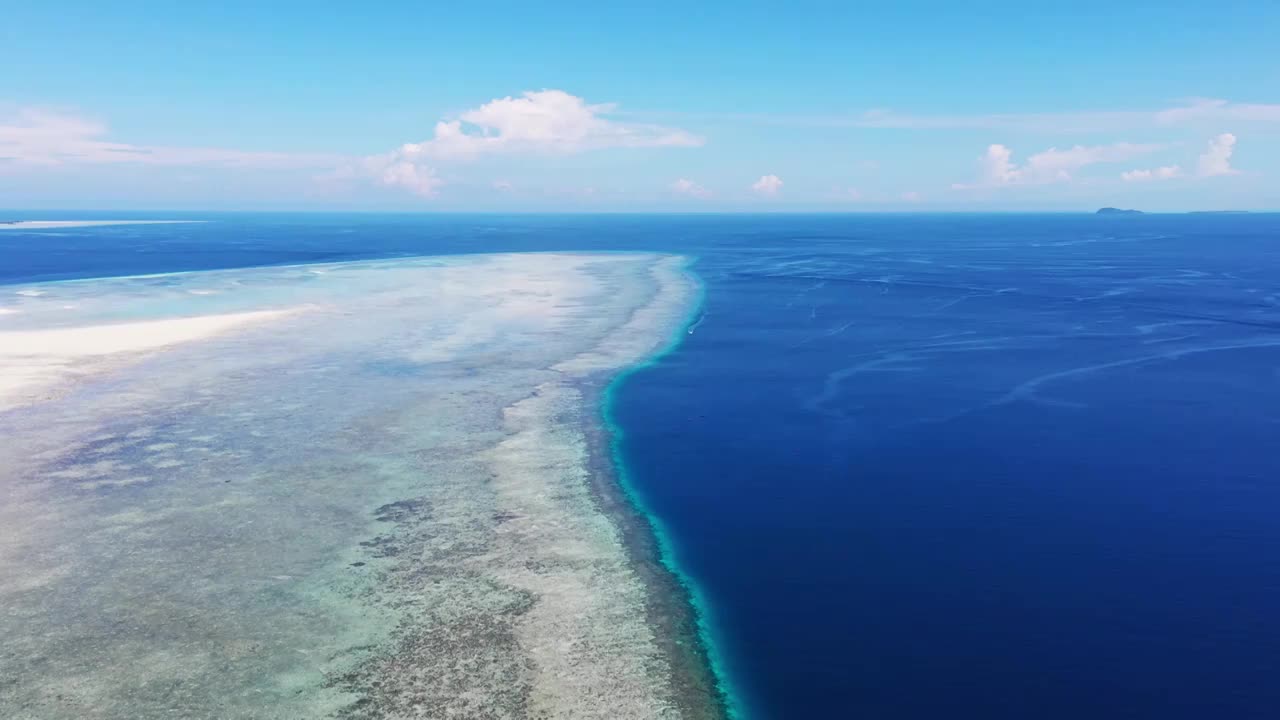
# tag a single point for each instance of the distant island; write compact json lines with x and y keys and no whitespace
{"x":1122,"y":211}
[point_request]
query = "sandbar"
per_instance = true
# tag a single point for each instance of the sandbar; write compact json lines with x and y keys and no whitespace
{"x":59,"y":224}
{"x":33,"y":362}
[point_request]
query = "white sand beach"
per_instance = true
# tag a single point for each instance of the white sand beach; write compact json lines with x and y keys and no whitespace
{"x":34,"y":362}
{"x":59,"y":224}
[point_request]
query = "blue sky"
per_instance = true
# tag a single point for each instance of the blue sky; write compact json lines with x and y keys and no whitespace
{"x":669,"y":106}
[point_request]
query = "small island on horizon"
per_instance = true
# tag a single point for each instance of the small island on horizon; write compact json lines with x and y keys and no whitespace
{"x":1123,"y":211}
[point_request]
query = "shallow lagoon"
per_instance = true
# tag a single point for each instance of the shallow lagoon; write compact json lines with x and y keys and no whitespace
{"x":373,"y":500}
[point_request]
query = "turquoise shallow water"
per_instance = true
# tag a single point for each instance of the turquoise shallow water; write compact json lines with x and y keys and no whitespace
{"x":669,"y":556}
{"x":911,"y":466}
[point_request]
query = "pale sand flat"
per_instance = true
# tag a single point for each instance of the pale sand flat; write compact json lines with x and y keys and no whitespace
{"x":34,"y":362}
{"x":58,"y":224}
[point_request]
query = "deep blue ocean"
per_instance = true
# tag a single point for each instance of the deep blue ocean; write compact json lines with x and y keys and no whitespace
{"x":917,"y":466}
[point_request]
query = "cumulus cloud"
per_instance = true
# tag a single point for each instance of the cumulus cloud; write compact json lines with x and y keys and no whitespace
{"x":549,"y":122}
{"x":767,"y":185}
{"x":688,"y":187}
{"x":1216,"y":160}
{"x":417,"y":179}
{"x":1167,"y":172}
{"x":39,"y":138}
{"x":996,"y":167}
{"x":543,"y":121}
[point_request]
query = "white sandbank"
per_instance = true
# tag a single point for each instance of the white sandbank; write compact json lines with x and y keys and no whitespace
{"x":58,"y":224}
{"x":34,"y":362}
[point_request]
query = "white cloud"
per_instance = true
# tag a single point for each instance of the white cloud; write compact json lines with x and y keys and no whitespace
{"x":1194,"y":111}
{"x":1214,"y":110}
{"x":996,"y":167}
{"x":1191,"y":112}
{"x":551,"y":122}
{"x":502,"y":185}
{"x":546,"y":121}
{"x":40,"y":138}
{"x":543,"y":121}
{"x":688,"y":187}
{"x":1167,"y":172}
{"x":767,"y":185}
{"x":1054,"y":165}
{"x":1216,"y":160}
{"x":911,"y":196}
{"x":417,"y":179}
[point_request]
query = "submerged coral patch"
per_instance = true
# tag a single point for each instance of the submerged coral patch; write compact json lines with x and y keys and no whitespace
{"x":364,"y":492}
